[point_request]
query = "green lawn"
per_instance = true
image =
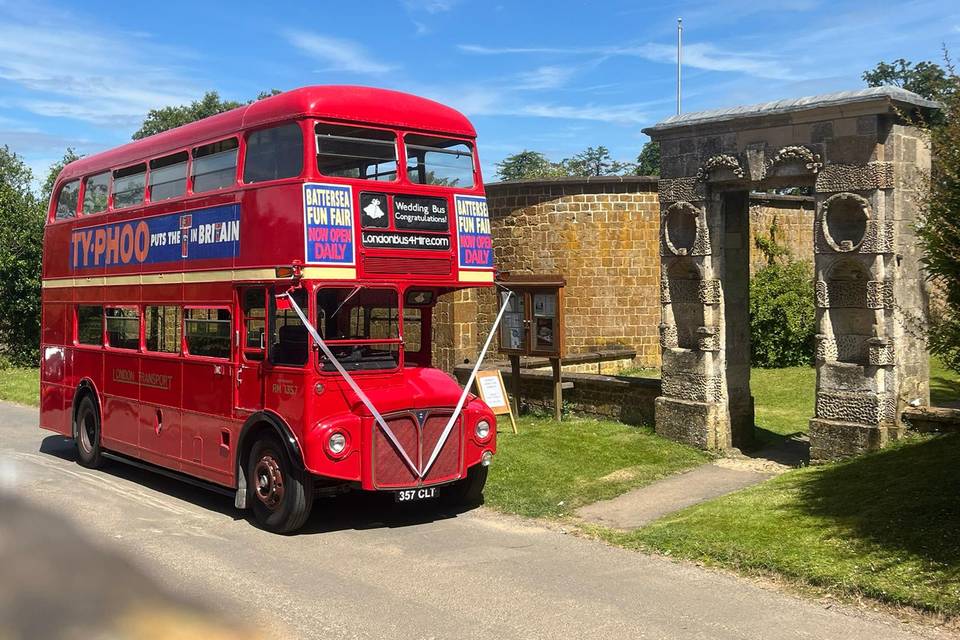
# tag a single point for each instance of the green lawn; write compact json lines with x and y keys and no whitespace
{"x":20,"y":385}
{"x":552,"y":468}
{"x":883,"y":525}
{"x":783,"y":399}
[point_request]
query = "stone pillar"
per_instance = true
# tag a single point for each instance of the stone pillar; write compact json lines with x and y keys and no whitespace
{"x":870,"y":294}
{"x":693,"y":407}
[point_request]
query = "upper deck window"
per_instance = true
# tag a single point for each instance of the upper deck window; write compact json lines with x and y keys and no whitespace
{"x":439,"y":161}
{"x":67,"y":200}
{"x":129,"y":185}
{"x":168,"y":177}
{"x":95,"y":193}
{"x":274,"y":153}
{"x":215,"y":165}
{"x":355,"y":152}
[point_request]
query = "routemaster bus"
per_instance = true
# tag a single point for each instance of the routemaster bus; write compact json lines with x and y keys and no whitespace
{"x":247,"y":301}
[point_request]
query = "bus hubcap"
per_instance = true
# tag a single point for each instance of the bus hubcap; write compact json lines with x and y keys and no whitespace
{"x":87,"y":431}
{"x":269,"y":481}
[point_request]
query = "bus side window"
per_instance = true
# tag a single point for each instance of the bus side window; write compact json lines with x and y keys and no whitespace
{"x":162,"y":326}
{"x":67,"y":200}
{"x":215,"y":165}
{"x":96,"y":192}
{"x":207,"y":332}
{"x":129,"y":185}
{"x":90,"y":324}
{"x":274,"y":153}
{"x":123,"y":327}
{"x":168,"y":177}
{"x":289,"y":341}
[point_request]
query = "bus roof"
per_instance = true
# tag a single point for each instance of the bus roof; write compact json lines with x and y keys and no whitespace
{"x":365,"y":105}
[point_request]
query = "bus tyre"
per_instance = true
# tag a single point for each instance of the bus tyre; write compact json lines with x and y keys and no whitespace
{"x":87,"y":434}
{"x":281,"y":495}
{"x":469,"y":491}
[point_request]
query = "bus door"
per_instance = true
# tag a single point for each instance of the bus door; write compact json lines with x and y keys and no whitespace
{"x":252,"y":338}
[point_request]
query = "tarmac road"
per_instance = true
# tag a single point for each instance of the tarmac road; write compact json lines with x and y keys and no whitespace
{"x":364,"y":568}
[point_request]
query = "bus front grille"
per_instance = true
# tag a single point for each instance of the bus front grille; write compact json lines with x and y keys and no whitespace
{"x":418,"y":435}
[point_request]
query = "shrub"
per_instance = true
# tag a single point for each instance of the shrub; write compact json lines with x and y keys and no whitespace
{"x":782,"y":316}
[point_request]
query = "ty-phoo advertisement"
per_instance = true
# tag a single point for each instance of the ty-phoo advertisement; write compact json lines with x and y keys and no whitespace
{"x":405,"y":240}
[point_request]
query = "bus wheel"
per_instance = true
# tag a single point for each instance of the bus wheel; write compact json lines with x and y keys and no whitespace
{"x":282,"y":496}
{"x":467,"y":492}
{"x":87,"y":437}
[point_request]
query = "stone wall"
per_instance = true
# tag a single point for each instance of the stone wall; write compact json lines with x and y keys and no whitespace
{"x":792,"y":217}
{"x":603,"y":236}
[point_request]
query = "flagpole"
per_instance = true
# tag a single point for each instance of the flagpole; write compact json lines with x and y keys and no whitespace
{"x":679,"y":60}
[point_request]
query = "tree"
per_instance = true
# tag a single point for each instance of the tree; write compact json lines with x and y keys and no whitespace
{"x":210,"y":104}
{"x":526,"y":165}
{"x":648,"y":162}
{"x":594,"y":161}
{"x":939,"y":227}
{"x":21,"y":241}
{"x":927,"y":79}
{"x":47,"y":189}
{"x":783,"y":320}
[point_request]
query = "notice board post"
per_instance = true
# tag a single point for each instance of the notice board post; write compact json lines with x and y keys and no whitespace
{"x":533,"y":326}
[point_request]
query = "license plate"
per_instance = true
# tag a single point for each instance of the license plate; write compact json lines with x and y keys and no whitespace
{"x":412,"y":495}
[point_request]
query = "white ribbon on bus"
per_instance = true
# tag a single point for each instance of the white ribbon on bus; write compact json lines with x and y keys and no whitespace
{"x":421,"y":473}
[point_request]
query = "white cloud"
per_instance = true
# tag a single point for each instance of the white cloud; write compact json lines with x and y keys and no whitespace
{"x":70,"y":71}
{"x":430,"y":6}
{"x":545,"y":77}
{"x":702,"y":55}
{"x":338,"y":54}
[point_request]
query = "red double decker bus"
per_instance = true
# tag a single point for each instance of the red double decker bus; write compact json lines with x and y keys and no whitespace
{"x":246,"y":300}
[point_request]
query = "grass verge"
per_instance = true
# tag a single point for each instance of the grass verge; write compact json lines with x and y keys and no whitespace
{"x":551,"y":468}
{"x":883,"y":525}
{"x":20,"y":385}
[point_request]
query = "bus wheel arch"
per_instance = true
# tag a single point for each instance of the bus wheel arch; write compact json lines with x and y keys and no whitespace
{"x":258,"y":426}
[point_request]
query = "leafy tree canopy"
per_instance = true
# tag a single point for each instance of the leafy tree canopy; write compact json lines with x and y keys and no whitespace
{"x":927,"y":79}
{"x":210,"y":104}
{"x":648,"y":162}
{"x":21,"y":235}
{"x":939,"y":227}
{"x":595,"y":161}
{"x":526,"y":165}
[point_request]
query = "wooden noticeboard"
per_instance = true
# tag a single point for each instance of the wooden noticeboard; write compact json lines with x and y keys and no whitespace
{"x":491,"y":390}
{"x":533,"y":325}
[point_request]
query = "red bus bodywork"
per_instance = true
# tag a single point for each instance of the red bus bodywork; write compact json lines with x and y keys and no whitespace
{"x":198,"y":414}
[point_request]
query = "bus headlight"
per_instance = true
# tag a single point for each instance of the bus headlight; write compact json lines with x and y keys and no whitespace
{"x":482,"y":430}
{"x":337,"y":443}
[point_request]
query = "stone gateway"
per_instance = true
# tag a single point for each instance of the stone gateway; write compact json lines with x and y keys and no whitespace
{"x":865,"y":163}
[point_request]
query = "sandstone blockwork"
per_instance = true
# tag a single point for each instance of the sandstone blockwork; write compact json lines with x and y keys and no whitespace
{"x":863,"y":160}
{"x":604,"y":236}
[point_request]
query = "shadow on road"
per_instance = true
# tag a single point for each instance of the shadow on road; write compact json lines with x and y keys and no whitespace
{"x":357,"y":510}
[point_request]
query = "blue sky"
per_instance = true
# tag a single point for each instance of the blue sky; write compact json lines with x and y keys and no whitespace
{"x":551,"y":76}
